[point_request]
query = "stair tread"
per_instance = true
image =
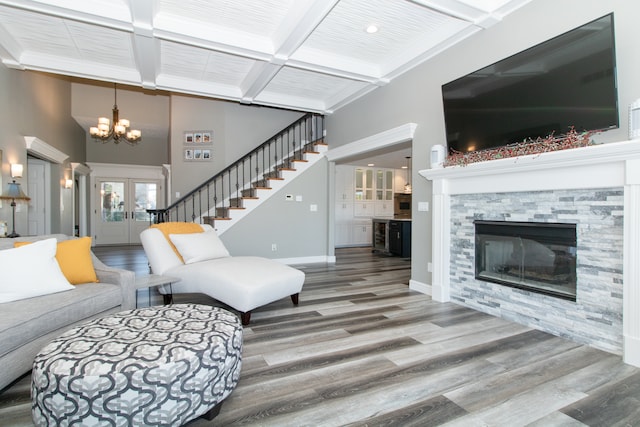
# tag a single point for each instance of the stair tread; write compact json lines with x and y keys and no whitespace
{"x":250,"y":198}
{"x":300,"y":160}
{"x":263,"y":188}
{"x":276,"y":178}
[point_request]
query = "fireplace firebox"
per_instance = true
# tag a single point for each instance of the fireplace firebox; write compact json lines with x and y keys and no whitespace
{"x":534,"y":256}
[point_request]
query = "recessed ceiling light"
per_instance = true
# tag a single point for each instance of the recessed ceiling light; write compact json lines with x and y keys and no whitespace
{"x":404,"y":167}
{"x":372,"y":29}
{"x":371,"y":164}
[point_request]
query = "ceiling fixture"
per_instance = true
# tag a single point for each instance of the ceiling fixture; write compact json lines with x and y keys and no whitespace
{"x":372,"y":29}
{"x":116,"y":129}
{"x":407,"y":186}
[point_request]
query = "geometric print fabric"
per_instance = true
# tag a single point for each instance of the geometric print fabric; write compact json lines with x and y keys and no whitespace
{"x":159,"y":366}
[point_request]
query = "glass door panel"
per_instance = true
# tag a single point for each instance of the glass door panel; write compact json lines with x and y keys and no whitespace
{"x":368,"y":184}
{"x":146,"y":195}
{"x":112,"y":201}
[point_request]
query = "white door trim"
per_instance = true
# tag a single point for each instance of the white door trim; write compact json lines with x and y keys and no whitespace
{"x":119,"y":171}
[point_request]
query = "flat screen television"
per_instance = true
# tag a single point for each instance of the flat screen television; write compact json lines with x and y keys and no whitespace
{"x":568,"y":81}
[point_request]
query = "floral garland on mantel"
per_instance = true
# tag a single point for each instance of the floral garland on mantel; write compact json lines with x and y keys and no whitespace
{"x":571,"y":139}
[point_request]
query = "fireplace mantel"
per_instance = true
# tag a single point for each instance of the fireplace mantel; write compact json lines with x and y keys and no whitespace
{"x":614,"y":164}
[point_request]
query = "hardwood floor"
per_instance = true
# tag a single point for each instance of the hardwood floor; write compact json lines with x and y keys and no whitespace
{"x":362,"y":349}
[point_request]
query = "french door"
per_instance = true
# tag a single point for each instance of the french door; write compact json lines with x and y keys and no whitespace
{"x":122,"y":205}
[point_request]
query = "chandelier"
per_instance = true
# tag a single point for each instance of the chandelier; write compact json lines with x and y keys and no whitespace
{"x":116,"y":129}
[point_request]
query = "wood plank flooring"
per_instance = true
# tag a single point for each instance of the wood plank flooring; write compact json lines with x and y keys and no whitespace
{"x":361,"y":349}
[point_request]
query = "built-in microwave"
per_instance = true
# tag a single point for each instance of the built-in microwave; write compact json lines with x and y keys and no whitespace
{"x":402,"y":205}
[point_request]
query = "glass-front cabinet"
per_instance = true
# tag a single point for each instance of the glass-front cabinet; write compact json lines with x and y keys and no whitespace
{"x":384,"y":184}
{"x":364,"y":184}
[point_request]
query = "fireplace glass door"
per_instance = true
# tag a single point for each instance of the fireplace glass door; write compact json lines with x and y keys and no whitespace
{"x":539,"y":257}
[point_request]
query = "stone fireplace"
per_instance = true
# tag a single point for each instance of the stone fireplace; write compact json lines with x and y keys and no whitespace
{"x":596,"y":189}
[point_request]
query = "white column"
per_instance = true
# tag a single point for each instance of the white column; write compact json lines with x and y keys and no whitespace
{"x":631,"y":264}
{"x":440,"y":232}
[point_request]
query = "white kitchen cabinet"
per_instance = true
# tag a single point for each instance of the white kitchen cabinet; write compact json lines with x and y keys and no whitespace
{"x":362,"y":194}
{"x":345,"y":183}
{"x":362,"y":233}
{"x":364,"y":209}
{"x":364,"y":184}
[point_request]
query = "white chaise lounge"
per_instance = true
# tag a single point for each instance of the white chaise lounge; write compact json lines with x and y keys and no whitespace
{"x":204,"y":265}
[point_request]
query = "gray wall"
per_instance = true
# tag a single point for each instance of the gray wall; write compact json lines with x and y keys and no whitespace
{"x":147,"y":110}
{"x":236,"y":130}
{"x":416,"y":96}
{"x":38,"y":104}
{"x":292,"y":226}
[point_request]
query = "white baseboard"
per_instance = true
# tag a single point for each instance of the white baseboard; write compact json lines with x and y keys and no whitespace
{"x":632,"y":350}
{"x":308,"y":260}
{"x":423,"y":288}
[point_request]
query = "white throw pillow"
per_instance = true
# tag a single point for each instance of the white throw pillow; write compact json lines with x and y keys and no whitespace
{"x":195,"y":247}
{"x":30,"y":271}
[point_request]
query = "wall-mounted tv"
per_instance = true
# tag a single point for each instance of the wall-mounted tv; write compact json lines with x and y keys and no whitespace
{"x":568,"y":81}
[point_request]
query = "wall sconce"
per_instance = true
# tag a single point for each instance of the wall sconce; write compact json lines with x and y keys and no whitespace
{"x":68,"y":184}
{"x":16,"y":170}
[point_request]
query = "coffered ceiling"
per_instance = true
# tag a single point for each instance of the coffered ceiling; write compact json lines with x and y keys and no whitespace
{"x":309,"y":55}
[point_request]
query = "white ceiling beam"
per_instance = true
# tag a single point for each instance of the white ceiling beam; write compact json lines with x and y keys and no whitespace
{"x":407,"y":63}
{"x":10,"y":51}
{"x":258,"y":78}
{"x":299,"y":24}
{"x":110,"y":17}
{"x":456,"y":9}
{"x":145,"y":47}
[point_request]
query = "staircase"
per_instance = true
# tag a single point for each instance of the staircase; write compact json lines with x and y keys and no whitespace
{"x":231,"y":194}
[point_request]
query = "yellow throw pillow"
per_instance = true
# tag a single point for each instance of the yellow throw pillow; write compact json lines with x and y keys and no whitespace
{"x":168,"y":228}
{"x":74,"y":258}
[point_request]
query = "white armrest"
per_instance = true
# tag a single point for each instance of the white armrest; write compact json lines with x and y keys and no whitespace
{"x":159,"y":252}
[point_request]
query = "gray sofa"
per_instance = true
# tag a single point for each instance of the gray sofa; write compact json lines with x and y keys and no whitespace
{"x":27,"y":325}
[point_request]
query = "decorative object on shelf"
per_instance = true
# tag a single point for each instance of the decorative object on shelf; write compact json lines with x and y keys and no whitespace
{"x":437,"y":156}
{"x":571,"y":139}
{"x":14,"y":193}
{"x":117,"y":129}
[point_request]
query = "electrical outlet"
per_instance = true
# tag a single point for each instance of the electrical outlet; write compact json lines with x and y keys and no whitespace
{"x":274,"y":247}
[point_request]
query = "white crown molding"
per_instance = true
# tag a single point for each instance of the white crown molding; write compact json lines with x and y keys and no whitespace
{"x":41,"y":149}
{"x":375,"y":142}
{"x":80,"y":169}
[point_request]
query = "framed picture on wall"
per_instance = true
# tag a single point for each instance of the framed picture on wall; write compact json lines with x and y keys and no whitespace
{"x":197,"y":154}
{"x":198,"y":137}
{"x":198,"y":145}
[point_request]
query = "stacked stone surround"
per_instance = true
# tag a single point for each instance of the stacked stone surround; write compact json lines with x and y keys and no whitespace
{"x":595,"y":318}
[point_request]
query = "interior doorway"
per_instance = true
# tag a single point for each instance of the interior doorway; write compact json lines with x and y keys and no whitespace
{"x":39,"y":208}
{"x":122,"y":205}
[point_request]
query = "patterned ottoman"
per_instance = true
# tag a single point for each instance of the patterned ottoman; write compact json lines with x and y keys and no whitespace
{"x":159,"y":366}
